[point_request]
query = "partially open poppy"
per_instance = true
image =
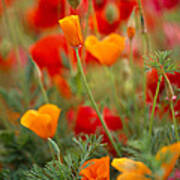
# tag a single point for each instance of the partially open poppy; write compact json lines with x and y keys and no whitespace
{"x":43,"y":122}
{"x":72,"y":30}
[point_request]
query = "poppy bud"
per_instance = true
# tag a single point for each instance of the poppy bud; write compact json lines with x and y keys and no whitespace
{"x":111,"y":13}
{"x":72,"y":30}
{"x":74,"y":3}
{"x":131,"y":32}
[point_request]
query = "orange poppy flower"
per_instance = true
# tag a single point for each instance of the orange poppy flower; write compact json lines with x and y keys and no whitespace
{"x":63,"y":86}
{"x":132,"y":176}
{"x":72,"y":30}
{"x":130,"y":169}
{"x":168,"y":154}
{"x":42,"y":122}
{"x":126,"y":165}
{"x":106,"y":51}
{"x":96,"y":169}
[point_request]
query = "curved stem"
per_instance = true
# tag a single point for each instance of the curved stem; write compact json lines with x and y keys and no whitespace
{"x":94,"y":103}
{"x":154,"y":106}
{"x":40,"y":81}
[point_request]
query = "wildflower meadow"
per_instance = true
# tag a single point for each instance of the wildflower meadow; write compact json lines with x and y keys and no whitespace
{"x":89,"y":89}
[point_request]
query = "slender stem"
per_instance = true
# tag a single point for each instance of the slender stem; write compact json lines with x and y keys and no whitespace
{"x":131,"y":53}
{"x":40,"y":81}
{"x":154,"y":106}
{"x":174,"y":119}
{"x":51,"y":150}
{"x":95,"y":23}
{"x":94,"y":103}
{"x":56,"y":149}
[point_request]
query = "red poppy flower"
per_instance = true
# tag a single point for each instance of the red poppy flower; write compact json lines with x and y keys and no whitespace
{"x":47,"y":53}
{"x":88,"y":122}
{"x":99,"y":4}
{"x":46,"y":14}
{"x":151,"y":84}
{"x":108,"y":19}
{"x":169,"y":4}
{"x":109,"y":15}
{"x":125,"y":8}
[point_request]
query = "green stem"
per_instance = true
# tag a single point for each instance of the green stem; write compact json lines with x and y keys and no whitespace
{"x":131,"y":54}
{"x":94,"y":103}
{"x":51,"y":150}
{"x":154,"y":106}
{"x":174,"y":120}
{"x":56,"y":149}
{"x":40,"y":81}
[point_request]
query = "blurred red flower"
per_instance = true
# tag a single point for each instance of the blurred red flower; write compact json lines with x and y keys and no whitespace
{"x":152,"y":80}
{"x":125,"y":8}
{"x":151,"y":84}
{"x":99,"y":4}
{"x":88,"y":122}
{"x":46,"y":52}
{"x":110,"y":14}
{"x":46,"y":14}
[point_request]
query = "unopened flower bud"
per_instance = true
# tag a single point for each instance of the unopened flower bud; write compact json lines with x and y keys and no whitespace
{"x":131,"y":28}
{"x":72,"y":30}
{"x":131,"y":32}
{"x":111,"y":13}
{"x":74,"y":3}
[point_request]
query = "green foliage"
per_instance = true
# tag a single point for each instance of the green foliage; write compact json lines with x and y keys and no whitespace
{"x":12,"y":98}
{"x":161,"y":59}
{"x":72,"y":160}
